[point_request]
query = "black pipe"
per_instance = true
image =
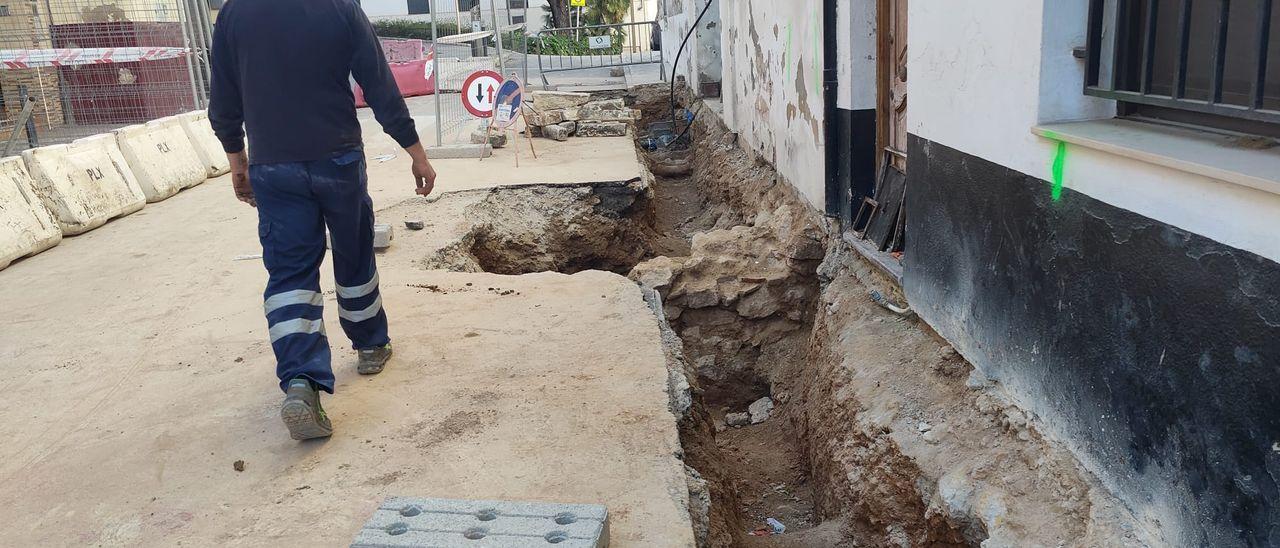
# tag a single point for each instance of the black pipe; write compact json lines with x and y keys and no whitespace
{"x":676,"y":63}
{"x":830,"y":119}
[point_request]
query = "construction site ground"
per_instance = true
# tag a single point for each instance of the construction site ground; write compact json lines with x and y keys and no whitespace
{"x":137,"y":374}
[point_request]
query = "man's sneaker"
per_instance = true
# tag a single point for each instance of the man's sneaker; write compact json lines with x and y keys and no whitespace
{"x":302,"y":412}
{"x":373,"y":360}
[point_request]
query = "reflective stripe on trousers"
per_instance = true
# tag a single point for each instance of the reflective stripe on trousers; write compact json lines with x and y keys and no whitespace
{"x":296,"y":203}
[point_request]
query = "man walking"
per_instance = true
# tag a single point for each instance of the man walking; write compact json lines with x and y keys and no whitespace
{"x":281,"y":71}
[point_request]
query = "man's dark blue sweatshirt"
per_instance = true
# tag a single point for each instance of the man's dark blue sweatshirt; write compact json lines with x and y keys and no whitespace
{"x":281,"y":70}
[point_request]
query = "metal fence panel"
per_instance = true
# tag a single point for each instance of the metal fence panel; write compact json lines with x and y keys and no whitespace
{"x":91,"y":66}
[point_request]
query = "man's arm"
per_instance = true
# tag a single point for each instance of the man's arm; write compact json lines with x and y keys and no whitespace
{"x":226,"y":110}
{"x":370,"y":69}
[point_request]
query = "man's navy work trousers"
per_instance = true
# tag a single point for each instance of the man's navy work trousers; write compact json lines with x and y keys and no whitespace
{"x":296,"y":201}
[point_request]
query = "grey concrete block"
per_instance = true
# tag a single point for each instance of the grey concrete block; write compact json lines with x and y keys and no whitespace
{"x":602,"y":129}
{"x":453,"y":152}
{"x":556,"y":132}
{"x":423,"y":522}
{"x":382,"y":235}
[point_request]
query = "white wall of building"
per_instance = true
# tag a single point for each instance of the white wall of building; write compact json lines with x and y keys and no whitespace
{"x":399,"y":9}
{"x":984,"y":72}
{"x":856,"y":60}
{"x":771,"y":74}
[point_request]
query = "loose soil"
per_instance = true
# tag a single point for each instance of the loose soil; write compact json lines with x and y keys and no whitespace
{"x":881,"y":434}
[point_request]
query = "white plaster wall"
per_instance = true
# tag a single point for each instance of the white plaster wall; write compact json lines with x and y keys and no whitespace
{"x":856,"y":60}
{"x":399,"y":9}
{"x":675,"y":19}
{"x":983,"y":72}
{"x":772,"y":94}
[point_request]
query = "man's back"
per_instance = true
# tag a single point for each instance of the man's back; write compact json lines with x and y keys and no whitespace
{"x":283,"y":66}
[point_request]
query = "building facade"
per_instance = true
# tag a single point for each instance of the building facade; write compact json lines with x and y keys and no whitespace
{"x":1090,"y":210}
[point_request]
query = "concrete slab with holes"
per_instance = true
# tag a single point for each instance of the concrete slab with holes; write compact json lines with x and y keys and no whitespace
{"x":429,"y":523}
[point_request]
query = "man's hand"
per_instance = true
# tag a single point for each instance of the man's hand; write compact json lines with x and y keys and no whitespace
{"x":240,"y":177}
{"x":423,"y":174}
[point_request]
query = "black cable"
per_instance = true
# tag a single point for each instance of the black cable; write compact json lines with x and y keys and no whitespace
{"x":676,"y":64}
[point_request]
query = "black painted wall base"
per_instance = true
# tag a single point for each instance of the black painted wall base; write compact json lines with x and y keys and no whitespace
{"x":1153,"y":351}
{"x":852,"y":140}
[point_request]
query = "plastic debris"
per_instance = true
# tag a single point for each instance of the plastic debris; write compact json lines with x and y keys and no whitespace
{"x":776,"y":526}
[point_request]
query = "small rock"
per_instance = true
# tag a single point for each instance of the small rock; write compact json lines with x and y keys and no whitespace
{"x":760,"y":410}
{"x":977,"y":380}
{"x":737,"y":419}
{"x":569,"y":125}
{"x":415,"y":225}
{"x":923,"y":427}
{"x":382,"y":235}
{"x":931,"y":437}
{"x":948,"y":352}
{"x":240,"y":360}
{"x":497,"y":139}
{"x":556,"y":132}
{"x":238,"y":465}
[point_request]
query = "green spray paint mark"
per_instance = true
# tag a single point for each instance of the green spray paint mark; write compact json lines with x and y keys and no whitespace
{"x":1059,"y":165}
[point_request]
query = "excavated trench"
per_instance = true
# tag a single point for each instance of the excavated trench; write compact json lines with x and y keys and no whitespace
{"x":737,"y":280}
{"x":759,"y":306}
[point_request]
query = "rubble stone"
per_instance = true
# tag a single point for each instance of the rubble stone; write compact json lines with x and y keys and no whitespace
{"x":545,"y":118}
{"x":608,"y":115}
{"x":602,"y":129}
{"x":737,"y":419}
{"x":760,"y":410}
{"x":497,"y":139}
{"x":553,"y":100}
{"x":556,"y":132}
{"x":607,"y":104}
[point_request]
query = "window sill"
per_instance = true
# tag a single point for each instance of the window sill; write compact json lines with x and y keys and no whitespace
{"x":1212,"y":155}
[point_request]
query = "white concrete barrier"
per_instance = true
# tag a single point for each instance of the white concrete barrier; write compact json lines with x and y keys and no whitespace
{"x":85,"y":183}
{"x":196,"y":124}
{"x":26,"y":227}
{"x":161,"y":157}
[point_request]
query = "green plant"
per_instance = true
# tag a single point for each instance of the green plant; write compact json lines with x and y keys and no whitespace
{"x":421,"y":30}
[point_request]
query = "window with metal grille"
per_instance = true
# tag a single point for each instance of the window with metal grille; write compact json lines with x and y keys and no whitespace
{"x":419,"y":7}
{"x":1207,"y":62}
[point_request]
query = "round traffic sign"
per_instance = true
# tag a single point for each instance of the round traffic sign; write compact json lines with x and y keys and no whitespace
{"x":508,"y":102}
{"x":479,"y":92}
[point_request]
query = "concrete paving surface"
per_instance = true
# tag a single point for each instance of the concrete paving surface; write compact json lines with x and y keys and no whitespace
{"x":136,"y":373}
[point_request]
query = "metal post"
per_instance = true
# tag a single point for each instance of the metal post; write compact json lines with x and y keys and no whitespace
{"x":435,"y":70}
{"x":199,"y":49}
{"x":497,"y":34}
{"x":186,"y":40}
{"x":32,"y":140}
{"x":23,"y":120}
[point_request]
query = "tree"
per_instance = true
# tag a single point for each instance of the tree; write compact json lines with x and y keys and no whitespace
{"x":607,"y":12}
{"x":598,"y":12}
{"x":557,"y":13}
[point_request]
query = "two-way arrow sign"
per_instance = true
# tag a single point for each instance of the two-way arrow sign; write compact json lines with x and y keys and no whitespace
{"x":482,"y":88}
